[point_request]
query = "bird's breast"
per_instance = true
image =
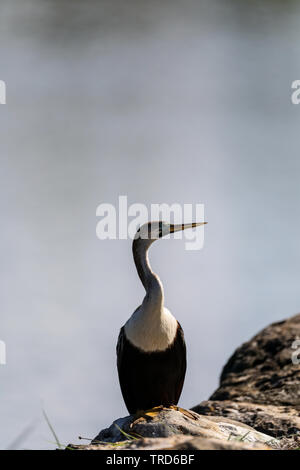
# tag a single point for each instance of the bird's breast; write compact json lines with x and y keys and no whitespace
{"x":151,"y":331}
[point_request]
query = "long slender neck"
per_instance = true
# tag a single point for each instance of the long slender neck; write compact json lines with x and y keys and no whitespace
{"x":150,"y":280}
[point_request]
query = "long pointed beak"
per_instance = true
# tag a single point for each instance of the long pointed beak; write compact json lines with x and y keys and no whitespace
{"x":178,"y":227}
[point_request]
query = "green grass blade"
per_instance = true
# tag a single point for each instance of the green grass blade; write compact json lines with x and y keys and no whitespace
{"x":129,"y":436}
{"x":60,"y":446}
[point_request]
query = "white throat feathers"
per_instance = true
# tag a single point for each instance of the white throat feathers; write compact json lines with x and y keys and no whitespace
{"x":151,"y":327}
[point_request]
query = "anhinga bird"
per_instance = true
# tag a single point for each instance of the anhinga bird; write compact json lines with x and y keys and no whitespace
{"x":151,"y":352}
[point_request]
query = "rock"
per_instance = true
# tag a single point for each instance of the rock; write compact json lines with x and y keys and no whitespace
{"x":261,"y":370}
{"x":257,"y":405}
{"x":173,"y":443}
{"x":260,"y":384}
{"x":277,"y":421}
{"x":176,"y":428}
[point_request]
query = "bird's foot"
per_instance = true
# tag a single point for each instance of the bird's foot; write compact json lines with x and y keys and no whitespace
{"x":188,"y":413}
{"x":146,"y":415}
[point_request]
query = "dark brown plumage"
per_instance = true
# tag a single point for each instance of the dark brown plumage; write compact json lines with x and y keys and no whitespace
{"x":150,"y":379}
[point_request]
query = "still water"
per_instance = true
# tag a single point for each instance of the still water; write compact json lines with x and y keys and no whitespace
{"x":185,"y":102}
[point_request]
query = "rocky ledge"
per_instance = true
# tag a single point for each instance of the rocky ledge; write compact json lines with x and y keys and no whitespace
{"x":257,"y":405}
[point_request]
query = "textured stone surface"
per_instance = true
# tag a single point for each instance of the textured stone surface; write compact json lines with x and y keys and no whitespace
{"x":174,"y":443}
{"x":260,"y":385}
{"x":277,"y":421}
{"x":257,"y":405}
{"x":261,"y":370}
{"x":168,"y":428}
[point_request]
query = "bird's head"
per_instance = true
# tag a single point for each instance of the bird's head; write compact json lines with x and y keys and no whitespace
{"x":154,"y":230}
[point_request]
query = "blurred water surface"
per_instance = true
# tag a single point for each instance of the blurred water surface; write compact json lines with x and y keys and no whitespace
{"x":180,"y":101}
